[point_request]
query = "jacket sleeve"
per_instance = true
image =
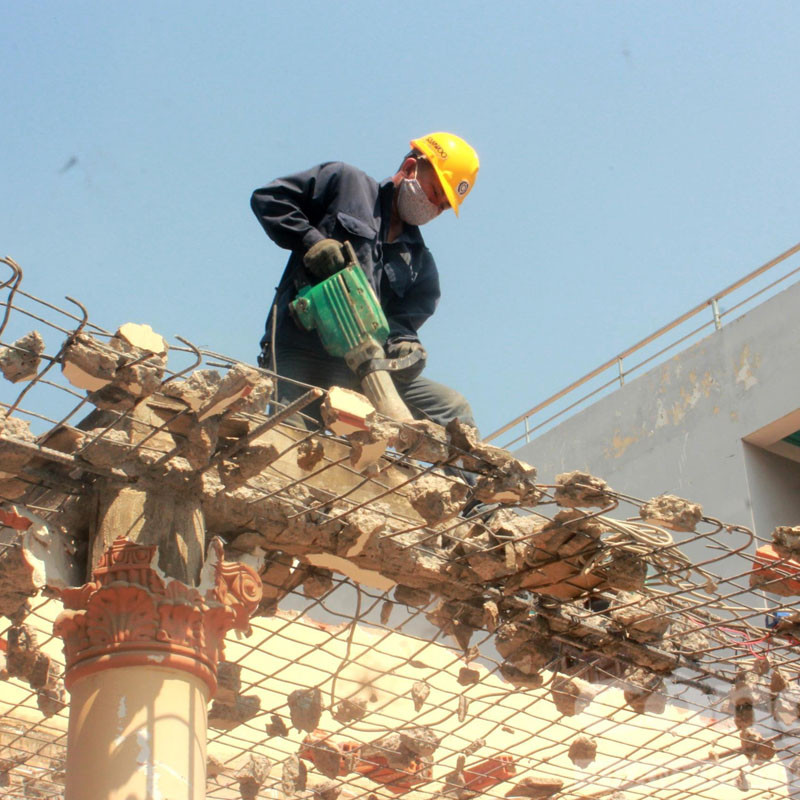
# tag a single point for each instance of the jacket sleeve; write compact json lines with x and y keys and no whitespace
{"x":290,"y":208}
{"x":407,"y":313}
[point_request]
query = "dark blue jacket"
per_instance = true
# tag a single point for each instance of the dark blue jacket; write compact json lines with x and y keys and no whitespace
{"x":337,"y":201}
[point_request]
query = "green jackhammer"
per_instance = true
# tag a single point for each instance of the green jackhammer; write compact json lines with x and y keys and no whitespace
{"x":346,"y":314}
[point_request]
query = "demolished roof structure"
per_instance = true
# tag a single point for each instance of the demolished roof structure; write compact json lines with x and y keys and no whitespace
{"x":558,"y":640}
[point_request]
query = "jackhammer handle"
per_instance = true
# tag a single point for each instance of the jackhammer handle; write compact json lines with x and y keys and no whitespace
{"x":389,"y":364}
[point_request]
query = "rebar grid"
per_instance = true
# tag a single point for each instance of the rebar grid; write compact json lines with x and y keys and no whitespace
{"x":355,"y":642}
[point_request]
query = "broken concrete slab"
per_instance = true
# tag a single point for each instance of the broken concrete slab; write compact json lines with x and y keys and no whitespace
{"x":88,"y":364}
{"x":437,"y":498}
{"x":294,"y":776}
{"x":672,"y":512}
{"x":13,"y":459}
{"x":423,"y":440}
{"x":514,"y":482}
{"x":345,"y":411}
{"x":242,"y":388}
{"x":625,"y":570}
{"x":643,"y":618}
{"x":579,"y":489}
{"x":20,"y":361}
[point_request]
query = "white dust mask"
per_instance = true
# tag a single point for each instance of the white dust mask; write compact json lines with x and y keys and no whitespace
{"x":413,"y":205}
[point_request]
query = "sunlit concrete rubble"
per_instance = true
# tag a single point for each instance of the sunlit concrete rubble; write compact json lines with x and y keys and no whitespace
{"x":582,"y":751}
{"x":672,"y":512}
{"x":21,"y":360}
{"x":581,"y":490}
{"x":251,"y":775}
{"x":786,"y":541}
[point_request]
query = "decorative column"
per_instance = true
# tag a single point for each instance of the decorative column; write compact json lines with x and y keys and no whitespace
{"x":142,"y":652}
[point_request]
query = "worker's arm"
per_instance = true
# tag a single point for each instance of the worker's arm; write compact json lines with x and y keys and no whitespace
{"x":290,"y":208}
{"x":406,"y":314}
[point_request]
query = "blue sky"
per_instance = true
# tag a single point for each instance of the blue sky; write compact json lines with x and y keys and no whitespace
{"x":635,"y":158}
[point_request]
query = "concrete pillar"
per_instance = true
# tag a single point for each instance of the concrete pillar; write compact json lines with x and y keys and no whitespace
{"x":141,"y":661}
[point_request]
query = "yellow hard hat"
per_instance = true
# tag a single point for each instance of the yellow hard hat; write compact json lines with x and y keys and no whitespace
{"x":455,"y":162}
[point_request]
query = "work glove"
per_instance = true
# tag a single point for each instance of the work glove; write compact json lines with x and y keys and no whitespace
{"x":402,"y":349}
{"x":324,"y":258}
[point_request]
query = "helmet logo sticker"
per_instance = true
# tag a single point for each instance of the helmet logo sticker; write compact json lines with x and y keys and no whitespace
{"x":462,"y":187}
{"x":440,"y":151}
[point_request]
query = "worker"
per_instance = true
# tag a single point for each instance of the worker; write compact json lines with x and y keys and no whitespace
{"x":312,"y":212}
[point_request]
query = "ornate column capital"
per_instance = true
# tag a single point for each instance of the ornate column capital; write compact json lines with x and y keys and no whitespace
{"x":131,"y":614}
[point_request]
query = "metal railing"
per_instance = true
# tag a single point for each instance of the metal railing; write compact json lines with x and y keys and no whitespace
{"x":620,"y":370}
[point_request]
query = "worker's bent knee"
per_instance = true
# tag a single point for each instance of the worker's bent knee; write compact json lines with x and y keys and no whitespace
{"x":437,"y":402}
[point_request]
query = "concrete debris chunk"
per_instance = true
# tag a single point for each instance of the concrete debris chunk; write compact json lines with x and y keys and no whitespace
{"x":408,"y":596}
{"x":756,"y":747}
{"x":294,"y":776}
{"x":420,"y":740}
{"x":571,"y":695}
{"x":305,"y":707}
{"x":672,"y":512}
{"x":685,"y":638}
{"x":142,"y":337}
{"x":644,"y":619}
{"x":196,"y":390}
{"x":473,"y":747}
{"x":644,"y":692}
{"x":491,"y":615}
{"x":423,"y":440}
{"x":742,"y":783}
{"x":345,"y":411}
{"x":252,"y":775}
{"x":367,"y":447}
{"x":626,"y":570}
{"x":582,"y":751}
{"x":229,"y":681}
{"x":106,"y":448}
{"x":200,"y":443}
{"x":20,"y":361}
{"x":276,"y":727}
{"x":386,"y":611}
{"x":536,"y":788}
{"x":318,"y":582}
{"x":226,"y":716}
{"x":22,"y":651}
{"x":419,"y":694}
{"x":88,"y":364}
{"x":578,"y":489}
{"x":276,"y":573}
{"x":463,"y":707}
{"x":330,"y":790}
{"x":468,"y":677}
{"x":350,"y":710}
{"x":325,"y":755}
{"x":750,"y":690}
{"x":214,"y":766}
{"x":310,"y":453}
{"x":786,"y":541}
{"x":243,"y":389}
{"x":473,"y":453}
{"x":13,"y":459}
{"x":436,"y":498}
{"x":527,"y":649}
{"x":514,"y":482}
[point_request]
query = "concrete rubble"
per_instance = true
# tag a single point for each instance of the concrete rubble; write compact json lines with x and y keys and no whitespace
{"x":252,"y":775}
{"x":305,"y":708}
{"x":533,"y":787}
{"x":419,"y":694}
{"x":670,"y":511}
{"x":294,"y":776}
{"x":582,"y":751}
{"x":20,"y":361}
{"x":786,"y":541}
{"x":578,"y":489}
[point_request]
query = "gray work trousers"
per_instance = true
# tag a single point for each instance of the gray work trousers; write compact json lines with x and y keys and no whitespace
{"x":426,"y":399}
